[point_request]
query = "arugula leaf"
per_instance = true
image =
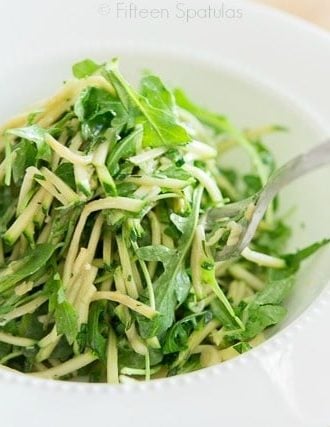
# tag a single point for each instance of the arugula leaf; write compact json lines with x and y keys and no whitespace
{"x":273,"y":241}
{"x":253,"y":184}
{"x":62,"y":351}
{"x":176,"y":173}
{"x":293,"y":261}
{"x":275,"y":292}
{"x":85,"y":68}
{"x":191,"y":365}
{"x":179,"y":221}
{"x":19,"y":270}
{"x":231,"y":175}
{"x":177,"y":337}
{"x":98,"y":110}
{"x":242,"y":347}
{"x":64,"y":221}
{"x":152,"y":88}
{"x":127,"y":357}
{"x":25,"y":156}
{"x":66,"y":318}
{"x":215,"y":121}
{"x":182,"y":285}
{"x":11,"y":300}
{"x":96,"y":328}
{"x":222,"y":313}
{"x":265,"y":309}
{"x":35,"y":134}
{"x":156,"y":253}
{"x":265,"y":155}
{"x":124,"y":148}
{"x":30,"y":327}
{"x":66,"y":173}
{"x":155,"y":114}
{"x":262,"y":317}
{"x":63,"y":124}
{"x":165,"y":255}
{"x":4,"y":349}
{"x":7,"y":208}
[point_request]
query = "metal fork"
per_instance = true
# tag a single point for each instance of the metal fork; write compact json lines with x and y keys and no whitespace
{"x":301,"y":165}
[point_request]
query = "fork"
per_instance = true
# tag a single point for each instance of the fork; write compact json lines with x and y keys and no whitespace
{"x":258,"y":203}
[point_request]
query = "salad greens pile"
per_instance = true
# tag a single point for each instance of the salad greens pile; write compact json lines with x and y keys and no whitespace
{"x":108,"y":265}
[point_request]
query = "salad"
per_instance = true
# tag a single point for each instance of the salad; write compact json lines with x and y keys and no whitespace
{"x":108,"y":267}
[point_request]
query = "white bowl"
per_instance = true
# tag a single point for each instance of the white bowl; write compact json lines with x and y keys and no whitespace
{"x":229,"y":68}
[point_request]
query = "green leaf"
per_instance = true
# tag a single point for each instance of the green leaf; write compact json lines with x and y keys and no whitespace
{"x":35,"y":134}
{"x":177,"y":337}
{"x":95,"y":329}
{"x":261,"y":317}
{"x":242,"y":347}
{"x":19,"y":270}
{"x":62,"y":351}
{"x":152,"y":110}
{"x":66,"y":318}
{"x":30,"y":327}
{"x":128,"y":358}
{"x":98,"y":110}
{"x":124,"y":148}
{"x":125,"y":189}
{"x":176,"y":173}
{"x":191,"y":365}
{"x":156,"y":253}
{"x":265,"y":155}
{"x":253,"y":184}
{"x":63,"y":225}
{"x":265,"y":309}
{"x":63,"y":124}
{"x":85,"y":68}
{"x":66,"y":173}
{"x":182,"y":285}
{"x":294,"y":260}
{"x":215,"y":121}
{"x":7,"y":207}
{"x":221,"y":312}
{"x":179,"y":221}
{"x":25,"y":156}
{"x":153,"y":89}
{"x":5,"y":349}
{"x":273,"y":241}
{"x":231,"y":175}
{"x":275,"y":292}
